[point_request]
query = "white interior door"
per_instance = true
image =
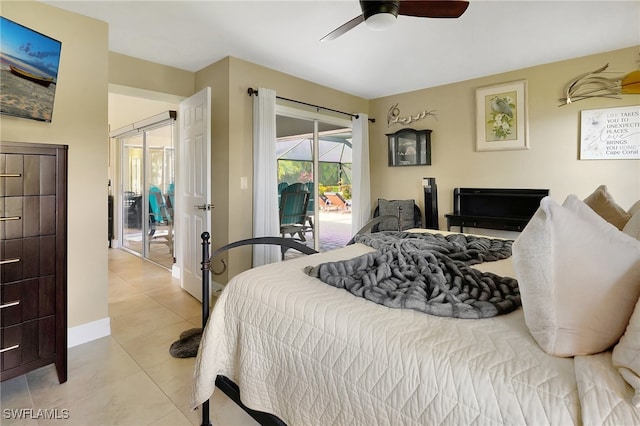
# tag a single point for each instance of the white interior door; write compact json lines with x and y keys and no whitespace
{"x":194,"y":186}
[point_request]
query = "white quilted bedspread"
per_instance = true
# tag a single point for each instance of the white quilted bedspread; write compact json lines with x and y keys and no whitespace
{"x":604,"y":395}
{"x":315,"y":355}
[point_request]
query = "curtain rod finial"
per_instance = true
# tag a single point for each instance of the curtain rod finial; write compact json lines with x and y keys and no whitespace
{"x":251,"y":91}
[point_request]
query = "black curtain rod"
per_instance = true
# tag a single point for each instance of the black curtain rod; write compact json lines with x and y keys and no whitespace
{"x":251,"y":91}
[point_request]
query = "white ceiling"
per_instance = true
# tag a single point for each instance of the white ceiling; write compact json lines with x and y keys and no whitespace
{"x":491,"y":37}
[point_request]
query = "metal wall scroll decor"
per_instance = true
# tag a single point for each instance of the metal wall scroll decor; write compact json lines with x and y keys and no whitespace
{"x":393,"y":116}
{"x":593,"y":85}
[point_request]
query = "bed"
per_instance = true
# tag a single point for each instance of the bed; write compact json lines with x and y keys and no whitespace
{"x":313,"y":354}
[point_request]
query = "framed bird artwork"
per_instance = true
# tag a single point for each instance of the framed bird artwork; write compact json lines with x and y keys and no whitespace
{"x":501,"y":117}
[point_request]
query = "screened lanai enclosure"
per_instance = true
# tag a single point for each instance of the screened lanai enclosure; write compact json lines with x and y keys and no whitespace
{"x":295,"y":158}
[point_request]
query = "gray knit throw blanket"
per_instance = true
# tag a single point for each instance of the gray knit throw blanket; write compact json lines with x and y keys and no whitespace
{"x":427,"y":272}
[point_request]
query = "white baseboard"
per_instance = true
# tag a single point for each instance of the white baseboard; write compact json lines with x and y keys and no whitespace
{"x":87,"y":332}
{"x":175,"y":271}
{"x":216,"y":287}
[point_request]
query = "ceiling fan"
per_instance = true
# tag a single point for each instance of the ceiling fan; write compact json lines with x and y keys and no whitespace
{"x":380,"y":15}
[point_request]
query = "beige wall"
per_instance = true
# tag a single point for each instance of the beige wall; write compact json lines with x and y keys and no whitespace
{"x":132,"y":72}
{"x":551,"y":162}
{"x":80,"y":121}
{"x":126,"y":109}
{"x":216,"y":76}
{"x":232,"y":135}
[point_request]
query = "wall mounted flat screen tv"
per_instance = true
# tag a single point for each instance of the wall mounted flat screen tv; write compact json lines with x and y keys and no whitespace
{"x":29,"y":64}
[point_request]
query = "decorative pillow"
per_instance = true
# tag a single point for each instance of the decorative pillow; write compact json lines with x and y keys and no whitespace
{"x":390,"y":207}
{"x":635,"y":208}
{"x":602,"y":203}
{"x":626,"y":354}
{"x":579,"y":278}
{"x":633,"y":226}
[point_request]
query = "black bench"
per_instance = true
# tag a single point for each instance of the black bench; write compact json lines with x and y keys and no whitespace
{"x":494,"y":208}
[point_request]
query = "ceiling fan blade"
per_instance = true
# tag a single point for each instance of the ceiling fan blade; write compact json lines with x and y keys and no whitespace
{"x":343,"y":28}
{"x":433,"y":8}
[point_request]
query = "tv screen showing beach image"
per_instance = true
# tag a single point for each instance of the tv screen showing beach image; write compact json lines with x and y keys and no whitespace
{"x":28,"y":71}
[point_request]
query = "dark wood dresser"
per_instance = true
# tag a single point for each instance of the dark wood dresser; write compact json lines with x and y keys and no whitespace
{"x":33,"y":258}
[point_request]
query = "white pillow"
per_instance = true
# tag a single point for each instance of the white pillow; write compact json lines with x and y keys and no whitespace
{"x":632,"y":227}
{"x":635,"y":208}
{"x":579,"y":278}
{"x":626,"y":354}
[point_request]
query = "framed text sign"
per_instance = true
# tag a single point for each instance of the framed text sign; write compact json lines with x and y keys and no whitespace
{"x":610,"y":134}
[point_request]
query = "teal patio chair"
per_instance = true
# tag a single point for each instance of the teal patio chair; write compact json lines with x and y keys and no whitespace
{"x":293,"y":213}
{"x":158,"y":212}
{"x":281,"y":187}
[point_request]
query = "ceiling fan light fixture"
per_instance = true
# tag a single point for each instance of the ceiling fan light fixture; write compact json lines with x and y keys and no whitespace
{"x":381,"y":21}
{"x":380,"y":15}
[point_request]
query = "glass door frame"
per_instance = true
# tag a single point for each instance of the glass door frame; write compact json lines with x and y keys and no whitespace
{"x":124,"y":135}
{"x":131,"y":194}
{"x":314,"y":117}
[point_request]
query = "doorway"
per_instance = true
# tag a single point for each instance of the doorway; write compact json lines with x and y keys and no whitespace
{"x":316,"y":151}
{"x":147,"y":188}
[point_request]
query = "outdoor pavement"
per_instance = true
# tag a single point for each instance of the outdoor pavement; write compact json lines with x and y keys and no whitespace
{"x":334,"y":229}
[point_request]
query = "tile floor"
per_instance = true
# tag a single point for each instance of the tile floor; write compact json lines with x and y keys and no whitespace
{"x":128,"y":378}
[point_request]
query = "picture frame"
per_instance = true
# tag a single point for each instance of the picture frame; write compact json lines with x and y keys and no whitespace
{"x":501,"y":117}
{"x":610,"y":133}
{"x":29,"y":74}
{"x":409,"y":147}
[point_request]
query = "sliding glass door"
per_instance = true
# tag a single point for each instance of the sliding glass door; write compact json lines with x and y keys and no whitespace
{"x":316,"y":152}
{"x":133,"y":214}
{"x":147,"y":196}
{"x":160,"y":184}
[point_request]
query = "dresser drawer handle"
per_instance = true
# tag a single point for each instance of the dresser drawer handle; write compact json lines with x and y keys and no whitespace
{"x":2,"y":219}
{"x":10,"y":174}
{"x":10,"y":304}
{"x":5,"y":262}
{"x":9,"y":348}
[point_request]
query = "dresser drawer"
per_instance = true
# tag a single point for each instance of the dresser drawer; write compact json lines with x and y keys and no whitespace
{"x":11,"y":346}
{"x":25,"y":258}
{"x":27,"y":300}
{"x":10,"y":217}
{"x":12,"y":174}
{"x":27,"y":216}
{"x":28,"y":174}
{"x":27,"y":342}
